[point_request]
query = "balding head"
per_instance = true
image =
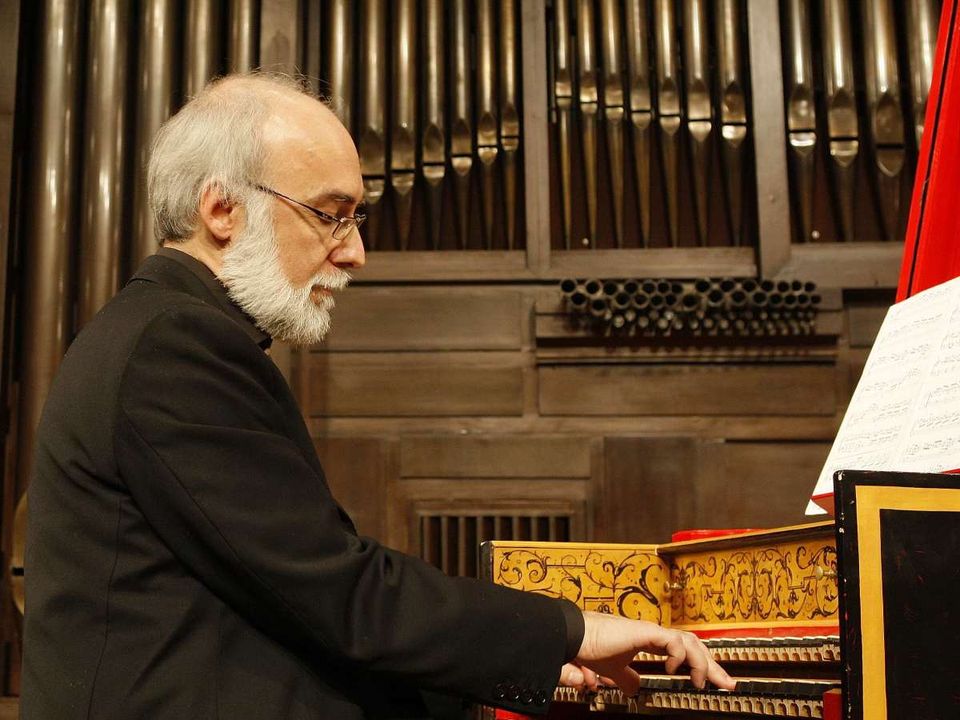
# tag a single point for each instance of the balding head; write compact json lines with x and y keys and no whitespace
{"x":239,"y":130}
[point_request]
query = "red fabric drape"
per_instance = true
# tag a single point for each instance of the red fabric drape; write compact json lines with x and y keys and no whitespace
{"x":931,"y":253}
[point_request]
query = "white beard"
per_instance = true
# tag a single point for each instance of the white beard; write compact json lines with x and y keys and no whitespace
{"x":255,"y":281}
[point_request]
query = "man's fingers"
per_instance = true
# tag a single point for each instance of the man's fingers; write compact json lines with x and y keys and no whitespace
{"x":687,"y":649}
{"x":625,"y":678}
{"x":702,"y":665}
{"x":677,"y":653}
{"x":719,"y":677}
{"x":698,"y":659}
{"x":571,"y":676}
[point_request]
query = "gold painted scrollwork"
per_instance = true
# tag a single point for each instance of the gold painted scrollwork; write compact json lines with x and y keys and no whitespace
{"x":627,"y":582}
{"x":795,"y":582}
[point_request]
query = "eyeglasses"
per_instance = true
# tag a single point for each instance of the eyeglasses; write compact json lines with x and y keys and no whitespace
{"x":343,"y":224}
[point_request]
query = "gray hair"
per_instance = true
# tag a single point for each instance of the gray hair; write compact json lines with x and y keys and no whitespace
{"x":215,"y":140}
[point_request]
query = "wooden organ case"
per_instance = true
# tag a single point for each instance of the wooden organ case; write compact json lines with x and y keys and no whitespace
{"x":855,"y":619}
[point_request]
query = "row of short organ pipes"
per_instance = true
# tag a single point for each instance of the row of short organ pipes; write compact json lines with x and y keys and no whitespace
{"x":439,"y":149}
{"x":730,"y":307}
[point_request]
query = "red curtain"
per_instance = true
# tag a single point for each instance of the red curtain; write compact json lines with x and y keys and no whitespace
{"x":931,"y":253}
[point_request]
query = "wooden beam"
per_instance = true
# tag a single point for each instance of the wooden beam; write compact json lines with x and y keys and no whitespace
{"x":280,"y":35}
{"x":536,"y":134}
{"x":769,"y":135}
{"x":845,"y":265}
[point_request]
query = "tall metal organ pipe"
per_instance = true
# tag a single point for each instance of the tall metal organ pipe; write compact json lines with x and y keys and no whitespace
{"x":101,"y":230}
{"x":155,"y":88}
{"x":613,"y":106}
{"x":840,"y":96}
{"x":509,"y":113}
{"x":373,"y":146}
{"x":340,"y":23}
{"x":434,"y":152}
{"x":201,"y":44}
{"x":668,"y":100}
{"x":50,"y":219}
{"x":641,"y":106}
{"x":403,"y":150}
{"x":244,"y":36}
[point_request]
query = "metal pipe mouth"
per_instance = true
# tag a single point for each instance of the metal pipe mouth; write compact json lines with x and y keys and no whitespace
{"x":631,"y":286}
{"x":759,"y":297}
{"x":578,"y":300}
{"x":598,"y":307}
{"x":690,"y":301}
{"x":649,"y":287}
{"x":611,"y":288}
{"x":621,"y":300}
{"x":738,"y":298}
{"x":641,"y":300}
{"x":749,"y":285}
{"x":727,"y":285}
{"x":592,"y":287}
{"x":567,"y":286}
{"x":663,"y":287}
{"x":767,"y":285}
{"x":715,"y":297}
{"x":702,"y":286}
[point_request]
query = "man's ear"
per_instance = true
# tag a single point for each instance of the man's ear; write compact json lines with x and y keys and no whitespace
{"x":219,"y":214}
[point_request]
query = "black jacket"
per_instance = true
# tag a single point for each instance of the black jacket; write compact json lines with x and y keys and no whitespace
{"x":185,"y":558}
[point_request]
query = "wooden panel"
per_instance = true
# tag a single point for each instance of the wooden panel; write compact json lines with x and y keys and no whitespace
{"x":505,"y":456}
{"x":654,"y":262}
{"x":733,"y":427}
{"x":758,"y":484}
{"x":655,"y":486}
{"x":648,"y":489}
{"x":434,"y":266}
{"x":426,"y":319}
{"x":845,"y":265}
{"x":357,"y":471}
{"x":9,"y":708}
{"x":688,"y":390}
{"x":411,"y":384}
{"x":864,"y":324}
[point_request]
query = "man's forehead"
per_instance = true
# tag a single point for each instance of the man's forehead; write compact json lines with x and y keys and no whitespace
{"x":307,"y":140}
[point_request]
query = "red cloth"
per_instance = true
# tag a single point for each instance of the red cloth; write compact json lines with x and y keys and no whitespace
{"x":931,"y":252}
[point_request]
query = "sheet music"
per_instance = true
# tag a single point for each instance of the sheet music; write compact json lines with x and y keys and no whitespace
{"x":905,"y":412}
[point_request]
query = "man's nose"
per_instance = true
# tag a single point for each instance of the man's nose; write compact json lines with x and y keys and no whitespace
{"x":350,"y":253}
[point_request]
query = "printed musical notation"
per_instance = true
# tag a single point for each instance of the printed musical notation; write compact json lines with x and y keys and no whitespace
{"x":905,"y":412}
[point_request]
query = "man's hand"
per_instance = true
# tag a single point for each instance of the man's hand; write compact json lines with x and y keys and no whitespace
{"x":610,"y":643}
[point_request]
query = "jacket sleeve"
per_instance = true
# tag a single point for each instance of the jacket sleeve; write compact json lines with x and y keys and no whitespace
{"x":207,"y":452}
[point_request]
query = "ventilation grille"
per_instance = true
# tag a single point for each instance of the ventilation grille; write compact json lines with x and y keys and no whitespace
{"x":451,"y":542}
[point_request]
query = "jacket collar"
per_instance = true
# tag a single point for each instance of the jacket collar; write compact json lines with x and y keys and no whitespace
{"x":177,"y":270}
